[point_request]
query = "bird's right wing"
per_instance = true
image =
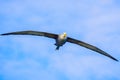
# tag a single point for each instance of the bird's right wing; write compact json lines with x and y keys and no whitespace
{"x":36,"y":33}
{"x":91,"y":47}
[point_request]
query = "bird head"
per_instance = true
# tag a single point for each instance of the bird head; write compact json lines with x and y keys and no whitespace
{"x":64,"y":34}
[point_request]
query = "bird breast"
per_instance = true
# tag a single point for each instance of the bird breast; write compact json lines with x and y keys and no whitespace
{"x":62,"y":37}
{"x":61,"y":40}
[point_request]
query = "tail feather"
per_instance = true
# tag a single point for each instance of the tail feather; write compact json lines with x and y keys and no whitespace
{"x":57,"y":48}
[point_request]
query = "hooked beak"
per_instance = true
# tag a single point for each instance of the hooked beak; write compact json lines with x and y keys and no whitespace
{"x":64,"y":34}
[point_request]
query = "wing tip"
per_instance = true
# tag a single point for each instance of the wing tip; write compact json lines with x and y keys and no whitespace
{"x":4,"y":34}
{"x":115,"y":59}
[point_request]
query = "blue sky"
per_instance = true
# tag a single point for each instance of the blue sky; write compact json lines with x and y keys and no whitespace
{"x":35,"y":58}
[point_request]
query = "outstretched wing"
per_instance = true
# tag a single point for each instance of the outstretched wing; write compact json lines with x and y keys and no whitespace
{"x":36,"y":33}
{"x":91,"y":47}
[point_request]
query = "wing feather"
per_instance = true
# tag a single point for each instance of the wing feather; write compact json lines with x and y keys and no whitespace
{"x":91,"y":47}
{"x":36,"y":33}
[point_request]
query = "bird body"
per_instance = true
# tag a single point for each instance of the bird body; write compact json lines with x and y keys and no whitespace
{"x":61,"y":40}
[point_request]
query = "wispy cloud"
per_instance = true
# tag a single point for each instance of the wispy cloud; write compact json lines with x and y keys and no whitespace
{"x":35,"y":58}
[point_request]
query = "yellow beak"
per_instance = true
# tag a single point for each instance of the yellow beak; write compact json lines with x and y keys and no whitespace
{"x":64,"y":34}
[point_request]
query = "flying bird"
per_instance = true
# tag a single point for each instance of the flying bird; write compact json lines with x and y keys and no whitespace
{"x":61,"y":39}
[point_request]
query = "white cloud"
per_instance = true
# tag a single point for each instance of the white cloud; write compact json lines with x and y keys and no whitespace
{"x":76,"y":67}
{"x":86,"y":20}
{"x":29,"y":69}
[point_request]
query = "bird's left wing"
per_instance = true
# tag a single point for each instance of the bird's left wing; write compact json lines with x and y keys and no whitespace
{"x":36,"y":33}
{"x":91,"y":47}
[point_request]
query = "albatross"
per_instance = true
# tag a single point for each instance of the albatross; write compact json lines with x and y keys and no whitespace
{"x":61,"y":39}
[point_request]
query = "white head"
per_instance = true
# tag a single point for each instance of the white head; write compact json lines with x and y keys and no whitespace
{"x":64,"y":34}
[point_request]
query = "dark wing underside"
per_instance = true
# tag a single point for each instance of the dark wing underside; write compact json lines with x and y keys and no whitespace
{"x":36,"y":33}
{"x":91,"y":47}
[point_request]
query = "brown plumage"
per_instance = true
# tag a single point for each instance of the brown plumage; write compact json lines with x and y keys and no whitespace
{"x":61,"y":40}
